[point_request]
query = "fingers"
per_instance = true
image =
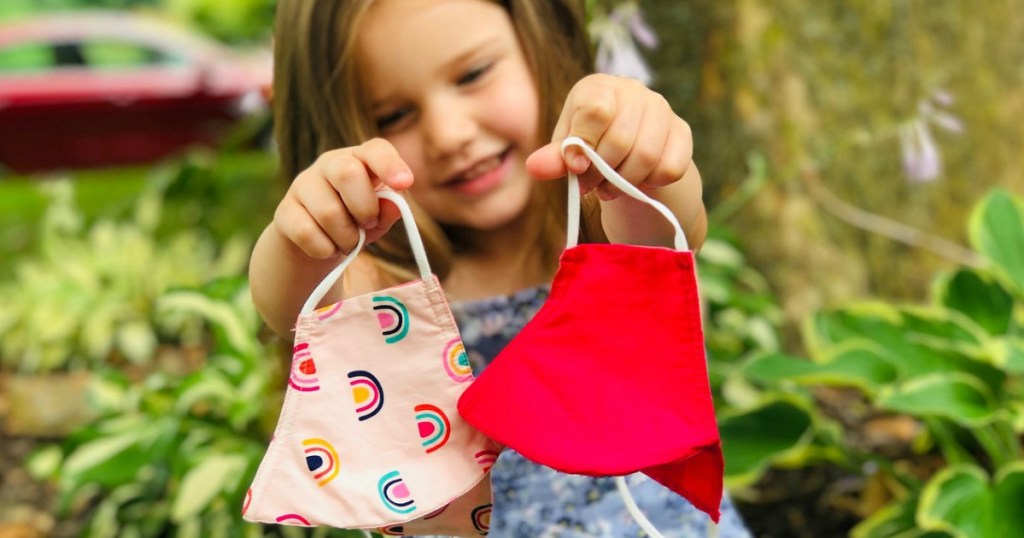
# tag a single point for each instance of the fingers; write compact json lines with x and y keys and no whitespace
{"x":346,"y":178}
{"x":648,"y":146}
{"x":592,"y":105}
{"x":677,"y":158}
{"x":633,"y":129}
{"x":329,"y":202}
{"x":547,"y":162}
{"x":296,"y":224}
{"x":382,"y":160}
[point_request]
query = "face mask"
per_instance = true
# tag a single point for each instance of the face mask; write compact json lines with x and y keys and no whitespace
{"x":610,"y":378}
{"x":369,"y":435}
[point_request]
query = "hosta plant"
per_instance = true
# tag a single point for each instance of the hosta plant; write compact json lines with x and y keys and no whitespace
{"x":87,"y":294}
{"x":956,"y":366}
{"x":174,"y":454}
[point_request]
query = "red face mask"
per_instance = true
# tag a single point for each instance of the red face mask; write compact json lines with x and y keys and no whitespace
{"x":610,"y":376}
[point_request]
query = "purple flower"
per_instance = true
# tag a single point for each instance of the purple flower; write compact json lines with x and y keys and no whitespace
{"x":922,"y":160}
{"x":617,"y":36}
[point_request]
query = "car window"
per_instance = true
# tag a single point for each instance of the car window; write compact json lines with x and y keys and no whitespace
{"x":123,"y":55}
{"x":26,"y":57}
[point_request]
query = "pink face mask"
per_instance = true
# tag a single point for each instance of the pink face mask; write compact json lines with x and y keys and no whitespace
{"x":369,"y":436}
{"x":610,"y":377}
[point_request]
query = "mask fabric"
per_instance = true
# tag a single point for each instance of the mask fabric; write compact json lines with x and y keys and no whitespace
{"x":369,"y":435}
{"x":610,"y":377}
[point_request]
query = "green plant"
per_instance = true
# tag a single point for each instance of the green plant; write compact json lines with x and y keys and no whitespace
{"x":954,"y":365}
{"x":174,"y":454}
{"x":742,"y":320}
{"x":86,"y":295}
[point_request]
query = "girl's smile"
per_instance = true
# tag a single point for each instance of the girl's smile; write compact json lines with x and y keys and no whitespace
{"x":482,"y":176}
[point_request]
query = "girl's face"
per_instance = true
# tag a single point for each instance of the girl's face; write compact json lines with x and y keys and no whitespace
{"x":447,"y":84}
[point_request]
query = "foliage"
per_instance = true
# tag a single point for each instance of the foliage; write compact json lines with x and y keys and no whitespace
{"x":228,"y":20}
{"x":955,"y":365}
{"x":741,"y":319}
{"x":174,"y":454}
{"x":88,"y":296}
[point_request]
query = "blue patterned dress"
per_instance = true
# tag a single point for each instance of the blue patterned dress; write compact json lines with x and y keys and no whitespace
{"x":533,"y":501}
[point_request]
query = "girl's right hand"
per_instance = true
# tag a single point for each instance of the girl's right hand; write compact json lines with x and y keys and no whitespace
{"x":328,"y":202}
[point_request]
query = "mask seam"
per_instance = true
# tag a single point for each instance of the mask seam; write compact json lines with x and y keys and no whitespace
{"x":285,"y":421}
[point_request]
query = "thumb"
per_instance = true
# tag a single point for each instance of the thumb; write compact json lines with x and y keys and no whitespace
{"x":546,"y":163}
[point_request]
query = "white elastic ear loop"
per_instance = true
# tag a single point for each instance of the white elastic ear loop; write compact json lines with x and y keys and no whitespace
{"x":634,"y":510}
{"x":620,"y":182}
{"x":415,"y":242}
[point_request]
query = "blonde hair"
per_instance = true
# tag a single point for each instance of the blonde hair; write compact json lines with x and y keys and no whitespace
{"x":318,"y":106}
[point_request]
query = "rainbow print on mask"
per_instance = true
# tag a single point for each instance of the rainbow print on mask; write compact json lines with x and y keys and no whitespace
{"x":393,"y":530}
{"x":456,"y":363}
{"x":326,"y":312}
{"x":292,"y":519}
{"x":395,"y":494}
{"x":248,"y":499}
{"x":321,"y":460}
{"x":367,"y":393}
{"x":303,"y":376}
{"x":486,"y":459}
{"x":482,"y":519}
{"x":437,"y":512}
{"x":392,"y":317}
{"x":435,"y":429}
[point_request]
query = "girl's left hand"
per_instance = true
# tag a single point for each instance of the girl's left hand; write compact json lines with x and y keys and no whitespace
{"x":632,"y":127}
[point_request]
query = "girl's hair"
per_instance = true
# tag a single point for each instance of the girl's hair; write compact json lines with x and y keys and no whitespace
{"x":318,"y":106}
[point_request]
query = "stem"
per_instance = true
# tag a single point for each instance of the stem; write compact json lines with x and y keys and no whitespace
{"x":897,"y":231}
{"x":748,"y":189}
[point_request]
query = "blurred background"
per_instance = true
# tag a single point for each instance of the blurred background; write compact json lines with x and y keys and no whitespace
{"x":863,"y":282}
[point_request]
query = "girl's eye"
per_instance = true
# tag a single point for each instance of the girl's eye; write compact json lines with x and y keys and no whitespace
{"x":473,"y":75}
{"x":390,"y":120}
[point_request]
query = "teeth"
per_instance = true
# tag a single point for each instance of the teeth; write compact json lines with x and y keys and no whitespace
{"x":481,"y":169}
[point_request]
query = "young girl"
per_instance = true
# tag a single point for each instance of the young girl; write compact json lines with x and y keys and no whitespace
{"x":462,"y":105}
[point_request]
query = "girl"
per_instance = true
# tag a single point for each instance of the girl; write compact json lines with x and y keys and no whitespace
{"x":451,"y":102}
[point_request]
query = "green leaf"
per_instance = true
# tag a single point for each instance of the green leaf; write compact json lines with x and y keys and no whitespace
{"x":204,"y":482}
{"x":117,"y":457}
{"x":917,"y":342}
{"x":892,"y":327}
{"x":860,"y":367}
{"x":137,"y":341}
{"x":958,"y":397}
{"x":239,"y":336}
{"x":1010,"y":355}
{"x":941,"y":329}
{"x":894,"y":520}
{"x":44,"y":462}
{"x":997,"y":231}
{"x":100,"y":452}
{"x":1009,"y":498}
{"x":960,"y":500}
{"x":979,"y":298}
{"x":751,"y":441}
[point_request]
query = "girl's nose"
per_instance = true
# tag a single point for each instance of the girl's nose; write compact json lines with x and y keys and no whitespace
{"x":449,"y":128}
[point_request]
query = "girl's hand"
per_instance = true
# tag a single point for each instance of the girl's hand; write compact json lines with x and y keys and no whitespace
{"x":632,"y":127}
{"x":328,"y":202}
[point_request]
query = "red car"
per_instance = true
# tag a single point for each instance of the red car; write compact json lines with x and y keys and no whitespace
{"x":93,"y":89}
